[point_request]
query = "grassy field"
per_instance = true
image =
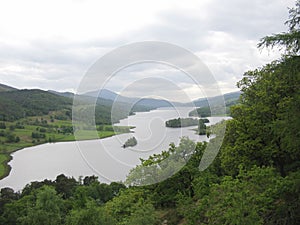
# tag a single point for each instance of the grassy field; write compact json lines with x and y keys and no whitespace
{"x":33,"y":131}
{"x":4,"y":168}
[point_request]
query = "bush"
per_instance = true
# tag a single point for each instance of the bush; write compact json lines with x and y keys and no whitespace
{"x":2,"y":125}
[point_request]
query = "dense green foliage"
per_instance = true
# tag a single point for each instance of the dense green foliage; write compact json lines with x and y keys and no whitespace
{"x":259,"y":195}
{"x":21,"y":103}
{"x":63,"y":201}
{"x":267,"y":119}
{"x":201,"y":127}
{"x":268,"y":116}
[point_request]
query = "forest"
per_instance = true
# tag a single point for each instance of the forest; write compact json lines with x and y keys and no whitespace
{"x":255,"y":178}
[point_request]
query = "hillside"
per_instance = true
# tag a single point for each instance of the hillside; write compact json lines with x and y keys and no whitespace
{"x":64,"y":94}
{"x":107,"y":97}
{"x":4,"y":88}
{"x":213,"y":105}
{"x":16,"y":104}
{"x":104,"y":93}
{"x":229,"y":98}
{"x":149,"y":103}
{"x":21,"y":103}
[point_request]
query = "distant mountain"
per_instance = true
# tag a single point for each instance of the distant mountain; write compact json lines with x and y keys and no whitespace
{"x":64,"y":94}
{"x":213,"y":105}
{"x":149,"y":103}
{"x":15,"y":104}
{"x":232,"y":95}
{"x":153,"y":103}
{"x":104,"y":93}
{"x":4,"y":88}
{"x":229,"y":98}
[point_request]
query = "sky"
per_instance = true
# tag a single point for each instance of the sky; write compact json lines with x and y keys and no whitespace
{"x":51,"y":45}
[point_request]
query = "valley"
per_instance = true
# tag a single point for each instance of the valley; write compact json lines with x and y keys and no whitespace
{"x":34,"y":117}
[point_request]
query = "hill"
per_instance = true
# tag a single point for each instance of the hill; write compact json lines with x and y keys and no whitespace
{"x":149,"y":103}
{"x":4,"y":88}
{"x":229,"y":98}
{"x":213,"y":105}
{"x":104,"y":93}
{"x":64,"y":94}
{"x":20,"y":103}
{"x":16,"y":104}
{"x":108,"y":97}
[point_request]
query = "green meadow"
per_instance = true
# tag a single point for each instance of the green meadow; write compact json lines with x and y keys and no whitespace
{"x":38,"y":130}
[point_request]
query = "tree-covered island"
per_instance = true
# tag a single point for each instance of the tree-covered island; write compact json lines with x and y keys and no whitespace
{"x":130,"y":142}
{"x":184,"y":122}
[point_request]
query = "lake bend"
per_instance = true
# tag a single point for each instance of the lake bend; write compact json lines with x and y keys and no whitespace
{"x":105,"y":158}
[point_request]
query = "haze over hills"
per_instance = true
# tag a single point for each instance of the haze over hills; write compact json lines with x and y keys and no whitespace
{"x":104,"y":93}
{"x":15,"y":104}
{"x":229,"y":98}
{"x":148,"y":102}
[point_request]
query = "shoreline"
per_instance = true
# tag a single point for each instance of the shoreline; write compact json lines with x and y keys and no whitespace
{"x":7,"y":167}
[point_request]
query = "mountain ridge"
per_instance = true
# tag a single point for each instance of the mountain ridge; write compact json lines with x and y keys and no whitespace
{"x":152,"y":102}
{"x":4,"y":88}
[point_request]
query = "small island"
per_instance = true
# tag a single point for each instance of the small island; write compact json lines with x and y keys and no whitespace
{"x":130,"y":142}
{"x":184,"y":122}
{"x":181,"y":122}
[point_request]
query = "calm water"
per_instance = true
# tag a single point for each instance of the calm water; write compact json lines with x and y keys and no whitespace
{"x":104,"y":158}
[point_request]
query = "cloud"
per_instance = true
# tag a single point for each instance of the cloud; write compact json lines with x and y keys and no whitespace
{"x":51,"y":46}
{"x":249,"y":19}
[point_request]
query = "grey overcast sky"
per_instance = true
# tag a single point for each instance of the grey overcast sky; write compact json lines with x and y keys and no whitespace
{"x":51,"y":44}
